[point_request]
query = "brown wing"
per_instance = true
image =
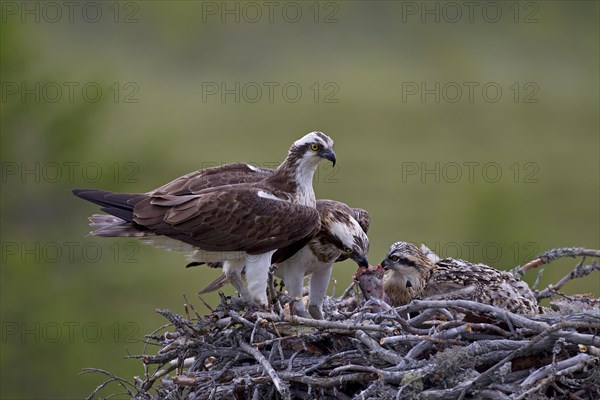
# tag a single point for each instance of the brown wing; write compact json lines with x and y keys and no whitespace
{"x":324,"y":207}
{"x":232,"y":218}
{"x":458,"y":279}
{"x":285,"y":253}
{"x":363,"y":218}
{"x":202,"y":179}
{"x":463,"y":273}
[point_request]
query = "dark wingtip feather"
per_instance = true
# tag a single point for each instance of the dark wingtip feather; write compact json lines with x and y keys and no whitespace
{"x":81,"y":192}
{"x":194,"y":264}
{"x":127,"y":215}
{"x":118,"y":204}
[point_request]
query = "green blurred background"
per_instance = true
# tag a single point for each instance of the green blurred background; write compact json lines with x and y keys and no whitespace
{"x":127,"y":96}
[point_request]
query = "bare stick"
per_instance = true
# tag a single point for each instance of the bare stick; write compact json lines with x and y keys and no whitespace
{"x":326,"y":382}
{"x":579,"y":361}
{"x":537,"y":279}
{"x":205,"y":304}
{"x":551,"y":255}
{"x":419,"y":305}
{"x":317,"y":323}
{"x":518,"y":352}
{"x":372,"y":345}
{"x":281,"y":386}
{"x":347,"y":291}
{"x":579,"y":271}
{"x":113,"y":378}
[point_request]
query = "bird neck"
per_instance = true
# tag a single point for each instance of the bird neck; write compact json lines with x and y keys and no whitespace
{"x":299,"y":170}
{"x":394,"y":286}
{"x":408,"y":283}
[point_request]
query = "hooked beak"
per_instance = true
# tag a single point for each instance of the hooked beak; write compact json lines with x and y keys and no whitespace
{"x":361,"y":261}
{"x":328,"y":155}
{"x":384,"y":264}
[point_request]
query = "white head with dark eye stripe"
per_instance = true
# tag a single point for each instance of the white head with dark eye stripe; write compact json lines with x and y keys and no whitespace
{"x":295,"y":174}
{"x":312,"y":148}
{"x":407,"y":262}
{"x":341,"y":236}
{"x":351,"y":240}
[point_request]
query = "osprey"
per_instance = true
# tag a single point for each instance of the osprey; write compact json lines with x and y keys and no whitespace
{"x":342,"y":236}
{"x":410,"y":273}
{"x":242,"y":224}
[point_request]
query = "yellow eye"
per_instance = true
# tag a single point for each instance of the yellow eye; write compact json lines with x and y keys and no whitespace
{"x":315,"y":147}
{"x":349,"y":250}
{"x":394,"y":258}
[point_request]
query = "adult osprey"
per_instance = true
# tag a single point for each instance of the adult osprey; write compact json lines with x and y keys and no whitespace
{"x":410,"y":273}
{"x":342,"y":236}
{"x":243,"y":224}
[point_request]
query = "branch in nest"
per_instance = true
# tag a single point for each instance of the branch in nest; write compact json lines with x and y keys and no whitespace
{"x":550,"y":255}
{"x":572,"y":364}
{"x":368,"y":349}
{"x":579,"y":271}
{"x":281,"y":386}
{"x":113,"y":378}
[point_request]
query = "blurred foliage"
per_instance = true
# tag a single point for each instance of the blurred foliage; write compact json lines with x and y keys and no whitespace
{"x":65,"y":311}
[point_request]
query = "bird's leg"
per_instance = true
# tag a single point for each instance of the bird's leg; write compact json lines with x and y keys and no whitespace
{"x":233,"y":270}
{"x":294,"y":281}
{"x":319,"y":281}
{"x":273,"y":297}
{"x":257,"y":276}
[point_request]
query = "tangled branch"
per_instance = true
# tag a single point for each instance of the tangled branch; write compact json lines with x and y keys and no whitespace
{"x":427,"y":349}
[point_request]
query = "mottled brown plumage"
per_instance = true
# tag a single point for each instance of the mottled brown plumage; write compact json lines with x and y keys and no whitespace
{"x":242,"y":223}
{"x":324,"y":243}
{"x":410,"y":274}
{"x":341,"y":237}
{"x":326,"y":246}
{"x":206,"y":178}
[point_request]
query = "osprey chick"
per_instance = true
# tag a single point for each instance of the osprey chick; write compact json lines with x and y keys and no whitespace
{"x":243,"y":224}
{"x":412,"y":274}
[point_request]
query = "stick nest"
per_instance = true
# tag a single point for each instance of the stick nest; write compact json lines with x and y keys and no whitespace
{"x":443,"y":349}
